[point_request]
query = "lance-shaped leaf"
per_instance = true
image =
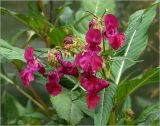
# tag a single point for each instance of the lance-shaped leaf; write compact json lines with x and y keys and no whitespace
{"x":136,"y":40}
{"x":105,"y":106}
{"x":150,"y":116}
{"x":128,"y":87}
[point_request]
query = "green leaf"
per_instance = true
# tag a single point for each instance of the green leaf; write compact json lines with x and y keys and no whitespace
{"x":97,"y":7}
{"x":11,"y":108}
{"x":57,"y":36}
{"x":67,"y":16}
{"x":10,"y":52}
{"x":128,"y":87}
{"x":102,"y":112}
{"x":66,"y":108}
{"x":150,"y":116}
{"x":34,"y":9}
{"x":136,"y":40}
{"x":81,"y":103}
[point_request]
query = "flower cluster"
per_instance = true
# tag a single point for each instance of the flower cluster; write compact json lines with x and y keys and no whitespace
{"x":33,"y":65}
{"x":88,"y":60}
{"x":116,"y":40}
{"x":66,"y":67}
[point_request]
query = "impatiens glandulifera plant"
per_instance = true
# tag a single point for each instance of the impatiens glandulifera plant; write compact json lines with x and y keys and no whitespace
{"x":89,"y":61}
{"x":81,"y":68}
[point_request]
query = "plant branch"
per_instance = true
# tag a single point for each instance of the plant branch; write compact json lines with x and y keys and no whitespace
{"x":24,"y":93}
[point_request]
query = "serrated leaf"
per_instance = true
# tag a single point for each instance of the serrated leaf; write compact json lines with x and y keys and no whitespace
{"x":66,"y":108}
{"x":136,"y":40}
{"x":104,"y":108}
{"x":128,"y":87}
{"x":150,"y":116}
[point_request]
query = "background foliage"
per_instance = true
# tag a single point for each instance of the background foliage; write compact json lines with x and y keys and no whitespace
{"x":64,"y":18}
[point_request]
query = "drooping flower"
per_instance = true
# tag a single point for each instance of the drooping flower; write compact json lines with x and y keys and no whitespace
{"x":111,"y":20}
{"x":33,"y":65}
{"x":26,"y":76}
{"x":53,"y":85}
{"x":65,"y":67}
{"x":89,"y":61}
{"x":93,"y":85}
{"x":93,"y":36}
{"x":116,"y":40}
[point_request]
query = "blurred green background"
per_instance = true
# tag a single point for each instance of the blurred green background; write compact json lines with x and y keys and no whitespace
{"x":145,"y":96}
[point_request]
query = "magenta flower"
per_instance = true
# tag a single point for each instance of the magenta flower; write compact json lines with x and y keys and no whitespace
{"x":26,"y":76}
{"x":53,"y":85}
{"x":117,"y":41}
{"x":66,"y":67}
{"x":111,"y":20}
{"x":69,"y":68}
{"x":93,"y":85}
{"x":93,"y":48}
{"x":89,"y":61}
{"x":33,"y":65}
{"x":92,"y":100}
{"x":93,"y":36}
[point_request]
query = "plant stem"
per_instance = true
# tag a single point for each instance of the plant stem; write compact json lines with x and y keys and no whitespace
{"x":24,"y":93}
{"x":112,"y":119}
{"x":38,"y":98}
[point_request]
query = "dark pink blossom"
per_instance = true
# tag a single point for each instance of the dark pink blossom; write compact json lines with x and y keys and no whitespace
{"x":93,"y":48}
{"x":110,"y":32}
{"x":89,"y":61}
{"x":93,"y":36}
{"x":92,"y":100}
{"x":53,"y":85}
{"x":26,"y":77}
{"x":33,"y":65}
{"x":117,"y":41}
{"x":69,"y":68}
{"x":93,"y":85}
{"x":111,"y":20}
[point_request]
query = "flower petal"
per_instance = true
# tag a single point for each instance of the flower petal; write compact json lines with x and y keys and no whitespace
{"x":92,"y":100}
{"x":111,"y":20}
{"x":28,"y":55}
{"x":53,"y":88}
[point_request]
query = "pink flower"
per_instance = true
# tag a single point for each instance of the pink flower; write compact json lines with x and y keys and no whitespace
{"x":26,"y":77}
{"x":117,"y":41}
{"x":53,"y":85}
{"x":111,"y":20}
{"x":110,"y":32}
{"x":93,"y":36}
{"x":93,"y":48}
{"x":89,"y":61}
{"x":93,"y":85}
{"x":92,"y":100}
{"x":69,"y":68}
{"x":33,"y":65}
